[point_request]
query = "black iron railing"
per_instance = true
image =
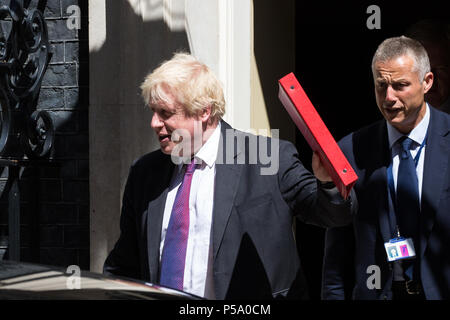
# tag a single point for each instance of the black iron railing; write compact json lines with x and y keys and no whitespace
{"x":26,"y":134}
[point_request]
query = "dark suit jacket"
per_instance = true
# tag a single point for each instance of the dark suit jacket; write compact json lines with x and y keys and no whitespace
{"x":255,"y":254}
{"x":351,"y":250}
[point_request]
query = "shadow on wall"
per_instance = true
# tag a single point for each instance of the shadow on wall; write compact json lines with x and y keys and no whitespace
{"x":274,"y":50}
{"x":134,"y":45}
{"x":139,"y":36}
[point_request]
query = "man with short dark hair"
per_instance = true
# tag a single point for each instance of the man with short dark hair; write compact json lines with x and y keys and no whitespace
{"x":403,"y":190}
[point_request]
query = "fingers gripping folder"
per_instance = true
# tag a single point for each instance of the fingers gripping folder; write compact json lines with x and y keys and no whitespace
{"x":312,"y":127}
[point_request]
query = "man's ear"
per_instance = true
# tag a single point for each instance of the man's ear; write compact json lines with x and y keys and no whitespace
{"x":428,"y":81}
{"x":205,"y":114}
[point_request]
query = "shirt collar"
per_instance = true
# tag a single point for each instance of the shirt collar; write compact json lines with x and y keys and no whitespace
{"x":208,"y":152}
{"x":417,"y":134}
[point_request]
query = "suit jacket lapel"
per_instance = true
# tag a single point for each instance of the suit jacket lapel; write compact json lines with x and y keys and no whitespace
{"x":434,"y":173}
{"x":225,"y":188}
{"x":155,"y":214}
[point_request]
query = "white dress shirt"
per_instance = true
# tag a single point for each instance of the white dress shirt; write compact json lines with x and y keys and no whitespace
{"x":418,"y":134}
{"x":198,"y":278}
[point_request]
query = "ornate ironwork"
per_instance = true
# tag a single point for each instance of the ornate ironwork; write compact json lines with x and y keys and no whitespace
{"x":24,"y":57}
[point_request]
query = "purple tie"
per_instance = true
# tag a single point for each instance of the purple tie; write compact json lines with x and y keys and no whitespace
{"x":174,"y":251}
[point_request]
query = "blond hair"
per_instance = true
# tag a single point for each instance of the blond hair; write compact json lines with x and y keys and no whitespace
{"x":190,"y":82}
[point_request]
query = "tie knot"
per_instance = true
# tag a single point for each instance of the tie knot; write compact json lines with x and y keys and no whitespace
{"x":190,"y":168}
{"x":406,"y":145}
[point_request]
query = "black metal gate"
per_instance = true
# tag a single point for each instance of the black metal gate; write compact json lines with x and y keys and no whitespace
{"x":26,"y":133}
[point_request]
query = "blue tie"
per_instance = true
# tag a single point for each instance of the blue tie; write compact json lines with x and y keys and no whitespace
{"x":174,"y":252}
{"x":408,"y":206}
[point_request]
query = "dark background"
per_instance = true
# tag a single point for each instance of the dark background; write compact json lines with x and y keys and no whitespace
{"x":334,"y":50}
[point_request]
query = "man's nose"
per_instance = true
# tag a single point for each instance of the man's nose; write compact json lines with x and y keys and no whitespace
{"x":156,"y":121}
{"x":390,"y":94}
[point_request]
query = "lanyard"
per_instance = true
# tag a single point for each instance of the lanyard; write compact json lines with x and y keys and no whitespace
{"x":390,"y":177}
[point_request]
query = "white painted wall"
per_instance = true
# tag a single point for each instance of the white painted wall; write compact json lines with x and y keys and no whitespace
{"x":234,"y":61}
{"x":219,"y":35}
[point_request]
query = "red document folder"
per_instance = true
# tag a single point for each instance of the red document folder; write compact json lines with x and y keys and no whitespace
{"x":311,"y":125}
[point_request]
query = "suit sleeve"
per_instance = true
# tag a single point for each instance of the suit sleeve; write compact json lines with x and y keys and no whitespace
{"x":338,"y":273}
{"x":307,"y":199}
{"x":123,"y":260}
{"x":338,"y":264}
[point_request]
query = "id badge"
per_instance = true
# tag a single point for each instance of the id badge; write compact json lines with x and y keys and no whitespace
{"x":400,"y":248}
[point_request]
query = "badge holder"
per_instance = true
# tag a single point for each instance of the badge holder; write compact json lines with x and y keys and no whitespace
{"x":400,"y":248}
